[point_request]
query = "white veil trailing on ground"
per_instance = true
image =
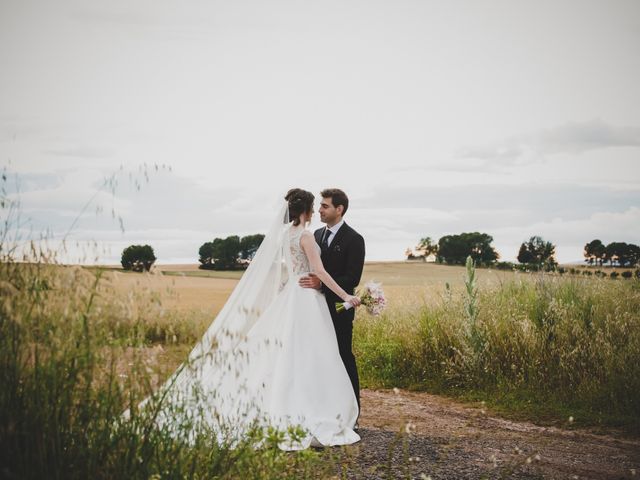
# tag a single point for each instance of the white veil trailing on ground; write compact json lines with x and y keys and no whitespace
{"x":218,"y":357}
{"x":257,"y":288}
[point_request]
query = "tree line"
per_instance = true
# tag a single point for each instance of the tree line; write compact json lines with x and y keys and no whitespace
{"x":533,"y":254}
{"x":228,"y":253}
{"x":621,"y":253}
{"x":234,"y":252}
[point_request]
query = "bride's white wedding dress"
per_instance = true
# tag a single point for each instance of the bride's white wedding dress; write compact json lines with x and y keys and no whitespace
{"x":272,"y":361}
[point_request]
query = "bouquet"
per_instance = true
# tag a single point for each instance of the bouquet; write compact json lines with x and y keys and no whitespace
{"x":372,"y":297}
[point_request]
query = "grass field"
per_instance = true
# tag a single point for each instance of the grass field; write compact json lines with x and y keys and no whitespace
{"x":77,"y":345}
{"x":186,"y":287}
{"x":422,"y":340}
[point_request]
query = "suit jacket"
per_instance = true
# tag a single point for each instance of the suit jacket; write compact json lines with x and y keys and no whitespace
{"x":344,"y":261}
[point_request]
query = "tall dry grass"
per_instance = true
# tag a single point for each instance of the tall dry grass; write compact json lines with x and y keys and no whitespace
{"x":538,"y":342}
{"x":73,"y":358}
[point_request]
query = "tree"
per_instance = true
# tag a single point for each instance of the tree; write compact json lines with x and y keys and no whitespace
{"x":525,"y":255}
{"x":206,"y":255}
{"x":137,"y":258}
{"x":634,"y":254}
{"x":225,"y":253}
{"x":249,"y":245}
{"x":454,"y":249}
{"x":594,"y":251}
{"x":481,"y":250}
{"x":618,"y":252}
{"x":538,"y":254}
{"x":426,"y":247}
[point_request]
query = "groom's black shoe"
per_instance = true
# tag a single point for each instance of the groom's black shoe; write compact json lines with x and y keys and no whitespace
{"x":356,"y":428}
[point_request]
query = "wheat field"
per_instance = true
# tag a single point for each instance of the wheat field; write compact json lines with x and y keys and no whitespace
{"x":185,"y":287}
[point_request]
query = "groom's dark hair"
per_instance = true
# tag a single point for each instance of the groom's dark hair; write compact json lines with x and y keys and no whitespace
{"x":337,"y":196}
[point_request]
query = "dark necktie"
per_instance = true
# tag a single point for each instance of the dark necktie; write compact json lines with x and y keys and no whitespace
{"x":325,"y":240}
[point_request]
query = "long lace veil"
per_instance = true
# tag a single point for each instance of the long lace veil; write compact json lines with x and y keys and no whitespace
{"x":267,"y":273}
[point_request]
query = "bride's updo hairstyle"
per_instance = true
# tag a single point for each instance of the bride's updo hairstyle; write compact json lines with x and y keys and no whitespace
{"x":300,"y":201}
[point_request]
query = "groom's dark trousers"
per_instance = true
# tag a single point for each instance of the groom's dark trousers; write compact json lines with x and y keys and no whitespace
{"x":344,"y":260}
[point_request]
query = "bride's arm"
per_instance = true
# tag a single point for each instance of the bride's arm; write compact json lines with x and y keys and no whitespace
{"x":308,"y":244}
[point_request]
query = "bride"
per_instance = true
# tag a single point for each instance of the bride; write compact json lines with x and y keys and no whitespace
{"x":271,"y":356}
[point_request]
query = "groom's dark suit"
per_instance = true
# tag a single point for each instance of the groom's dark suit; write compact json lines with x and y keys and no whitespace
{"x":343,"y":260}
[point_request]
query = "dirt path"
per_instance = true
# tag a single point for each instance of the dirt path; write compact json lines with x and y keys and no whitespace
{"x":448,"y":440}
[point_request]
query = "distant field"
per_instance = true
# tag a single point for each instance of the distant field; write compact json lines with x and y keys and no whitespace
{"x":390,"y":273}
{"x":185,"y":287}
{"x":176,"y":291}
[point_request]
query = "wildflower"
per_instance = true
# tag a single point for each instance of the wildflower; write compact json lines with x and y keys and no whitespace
{"x":396,"y":390}
{"x":571,"y":419}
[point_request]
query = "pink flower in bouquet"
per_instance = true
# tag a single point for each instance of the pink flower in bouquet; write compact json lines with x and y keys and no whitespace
{"x":371,"y":296}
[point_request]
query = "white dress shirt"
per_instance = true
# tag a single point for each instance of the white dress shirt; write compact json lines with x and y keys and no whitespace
{"x":333,"y":231}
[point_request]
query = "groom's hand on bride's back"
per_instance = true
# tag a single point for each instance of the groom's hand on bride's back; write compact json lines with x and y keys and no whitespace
{"x":310,"y":281}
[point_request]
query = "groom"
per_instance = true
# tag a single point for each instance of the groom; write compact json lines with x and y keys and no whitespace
{"x":342,"y":253}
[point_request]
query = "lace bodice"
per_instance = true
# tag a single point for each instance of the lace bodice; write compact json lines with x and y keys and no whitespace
{"x":299,"y":260}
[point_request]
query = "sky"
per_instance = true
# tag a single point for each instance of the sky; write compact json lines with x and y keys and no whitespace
{"x":512,"y":118}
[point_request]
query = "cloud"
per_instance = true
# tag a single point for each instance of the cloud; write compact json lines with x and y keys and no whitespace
{"x":607,"y":226}
{"x":52,"y":201}
{"x":570,"y":236}
{"x":176,"y":214}
{"x":61,"y":194}
{"x":501,"y":153}
{"x":139,"y":18}
{"x":512,"y":203}
{"x":394,"y":218}
{"x":572,"y":137}
{"x":580,"y":137}
{"x":81,"y":152}
{"x":14,"y":127}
